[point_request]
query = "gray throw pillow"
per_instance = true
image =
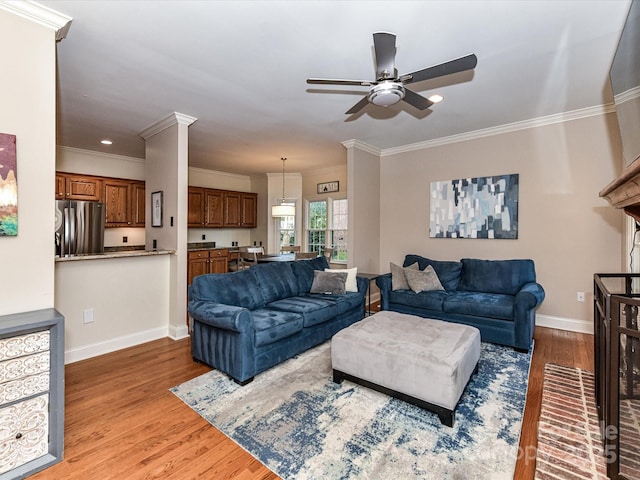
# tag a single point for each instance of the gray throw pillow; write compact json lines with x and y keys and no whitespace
{"x":423,"y":280}
{"x":329,"y":282}
{"x":398,"y":278}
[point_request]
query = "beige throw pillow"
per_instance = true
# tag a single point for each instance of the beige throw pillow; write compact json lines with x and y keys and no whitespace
{"x":423,"y":280}
{"x":398,"y":277}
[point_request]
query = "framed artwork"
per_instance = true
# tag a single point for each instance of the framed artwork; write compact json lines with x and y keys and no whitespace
{"x":328,"y":187}
{"x":8,"y":186}
{"x":483,"y":207}
{"x":156,"y":209}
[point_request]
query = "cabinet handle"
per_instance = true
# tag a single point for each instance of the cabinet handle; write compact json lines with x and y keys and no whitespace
{"x":18,"y":436}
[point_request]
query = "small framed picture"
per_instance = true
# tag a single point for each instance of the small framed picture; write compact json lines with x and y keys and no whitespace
{"x":156,"y":209}
{"x":328,"y":187}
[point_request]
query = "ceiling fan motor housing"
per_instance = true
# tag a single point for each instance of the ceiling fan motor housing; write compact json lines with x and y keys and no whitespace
{"x":386,"y":93}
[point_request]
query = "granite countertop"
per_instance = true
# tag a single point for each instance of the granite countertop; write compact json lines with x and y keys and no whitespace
{"x":115,"y":254}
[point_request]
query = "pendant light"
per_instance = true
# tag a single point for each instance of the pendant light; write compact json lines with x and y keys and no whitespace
{"x":283,"y":210}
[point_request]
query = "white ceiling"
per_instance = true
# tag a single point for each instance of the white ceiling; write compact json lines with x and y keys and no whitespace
{"x":240,"y":68}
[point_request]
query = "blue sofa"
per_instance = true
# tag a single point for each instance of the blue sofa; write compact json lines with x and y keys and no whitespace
{"x":248,"y":321}
{"x":499,"y":297}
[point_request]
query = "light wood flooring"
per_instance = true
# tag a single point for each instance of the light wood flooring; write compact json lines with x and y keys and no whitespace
{"x":122,"y":422}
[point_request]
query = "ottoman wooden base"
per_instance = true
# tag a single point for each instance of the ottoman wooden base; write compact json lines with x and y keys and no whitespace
{"x":422,"y":361}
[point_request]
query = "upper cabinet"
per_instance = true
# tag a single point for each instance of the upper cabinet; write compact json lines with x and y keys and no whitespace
{"x":210,"y":208}
{"x":123,"y":199}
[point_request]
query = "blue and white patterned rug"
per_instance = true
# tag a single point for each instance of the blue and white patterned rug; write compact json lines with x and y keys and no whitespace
{"x":302,"y":426}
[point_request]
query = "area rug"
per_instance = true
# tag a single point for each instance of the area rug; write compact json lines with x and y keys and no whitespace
{"x":302,"y":426}
{"x":569,"y":441}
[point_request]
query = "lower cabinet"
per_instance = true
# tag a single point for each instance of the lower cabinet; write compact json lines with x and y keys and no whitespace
{"x":201,"y":262}
{"x":31,"y":392}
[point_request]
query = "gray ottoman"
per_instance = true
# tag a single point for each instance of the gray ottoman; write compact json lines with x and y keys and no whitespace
{"x":422,"y":361}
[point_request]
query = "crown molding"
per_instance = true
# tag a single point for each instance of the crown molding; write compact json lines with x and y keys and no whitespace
{"x":501,"y":129}
{"x":39,"y":14}
{"x":173,"y":119}
{"x":218,"y":173}
{"x":360,"y":145}
{"x":95,"y":153}
{"x":627,"y":95}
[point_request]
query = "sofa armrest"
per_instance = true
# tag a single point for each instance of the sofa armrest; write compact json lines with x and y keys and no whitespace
{"x":530,"y":295}
{"x":226,"y":317}
{"x":384,"y":284}
{"x":363,"y":284}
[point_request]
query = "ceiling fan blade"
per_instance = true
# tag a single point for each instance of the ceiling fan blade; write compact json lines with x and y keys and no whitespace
{"x":453,"y":66}
{"x":384,"y":45}
{"x":418,"y":101}
{"x":329,"y":81}
{"x":358,"y":106}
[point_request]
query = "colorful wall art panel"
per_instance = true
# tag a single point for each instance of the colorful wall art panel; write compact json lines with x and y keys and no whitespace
{"x":8,"y":186}
{"x":483,"y":207}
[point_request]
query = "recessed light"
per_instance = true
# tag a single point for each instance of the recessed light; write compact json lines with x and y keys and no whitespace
{"x":436,"y":98}
{"x":106,"y":142}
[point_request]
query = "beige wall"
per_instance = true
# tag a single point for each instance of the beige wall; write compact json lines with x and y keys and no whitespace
{"x":628,"y":112}
{"x":563,"y":225}
{"x":27,"y":110}
{"x":310,"y":181}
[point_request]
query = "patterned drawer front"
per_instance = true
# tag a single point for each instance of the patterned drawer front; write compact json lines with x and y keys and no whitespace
{"x":24,"y":431}
{"x":23,"y":367}
{"x":24,"y":387}
{"x":24,"y":345}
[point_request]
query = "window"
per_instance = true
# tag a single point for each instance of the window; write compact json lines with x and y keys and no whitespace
{"x":287,"y":228}
{"x":327,"y":227}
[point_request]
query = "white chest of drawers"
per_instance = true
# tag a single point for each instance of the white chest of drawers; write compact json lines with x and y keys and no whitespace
{"x":31,"y":392}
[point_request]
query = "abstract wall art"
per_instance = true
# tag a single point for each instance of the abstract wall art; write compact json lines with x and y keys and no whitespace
{"x":8,"y":186}
{"x":483,"y":207}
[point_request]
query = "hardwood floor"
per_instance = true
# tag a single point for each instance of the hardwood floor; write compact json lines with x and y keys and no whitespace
{"x":122,"y":422}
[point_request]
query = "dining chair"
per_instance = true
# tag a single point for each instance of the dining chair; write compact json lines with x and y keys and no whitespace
{"x":248,"y":256}
{"x":306,"y":255}
{"x":290,"y":249}
{"x":328,"y":252}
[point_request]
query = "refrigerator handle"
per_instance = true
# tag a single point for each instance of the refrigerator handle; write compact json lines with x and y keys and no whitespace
{"x":64,"y":249}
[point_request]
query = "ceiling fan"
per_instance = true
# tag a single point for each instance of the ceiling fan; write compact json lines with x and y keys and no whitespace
{"x":388,"y":88}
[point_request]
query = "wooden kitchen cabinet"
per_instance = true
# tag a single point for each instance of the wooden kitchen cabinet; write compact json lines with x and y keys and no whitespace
{"x":232,"y":209}
{"x":117,"y":203}
{"x":202,"y":262}
{"x":195,"y":212}
{"x":81,"y":187}
{"x":60,"y":187}
{"x":211,"y":208}
{"x":137,"y":204}
{"x":249,"y":213}
{"x":214,"y":208}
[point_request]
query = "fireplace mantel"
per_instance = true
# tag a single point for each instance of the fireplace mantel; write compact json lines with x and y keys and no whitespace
{"x":624,"y":191}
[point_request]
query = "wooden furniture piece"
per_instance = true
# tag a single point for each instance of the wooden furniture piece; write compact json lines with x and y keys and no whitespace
{"x":78,"y":187}
{"x":617,"y":369}
{"x":305,"y":255}
{"x":277,"y":257}
{"x":248,"y":257}
{"x":31,"y":392}
{"x":211,"y":208}
{"x":328,"y":252}
{"x":200,"y":262}
{"x":290,"y":249}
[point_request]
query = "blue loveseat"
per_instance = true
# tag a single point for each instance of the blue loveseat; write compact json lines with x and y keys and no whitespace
{"x":499,"y":297}
{"x":248,"y":321}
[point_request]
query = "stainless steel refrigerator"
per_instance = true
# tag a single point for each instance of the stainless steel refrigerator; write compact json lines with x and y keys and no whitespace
{"x":79,"y":227}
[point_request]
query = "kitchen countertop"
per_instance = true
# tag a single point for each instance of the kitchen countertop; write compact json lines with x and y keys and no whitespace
{"x":115,"y":254}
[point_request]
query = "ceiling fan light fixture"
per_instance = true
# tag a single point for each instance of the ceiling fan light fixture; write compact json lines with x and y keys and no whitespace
{"x":386,"y":93}
{"x":435,"y":98}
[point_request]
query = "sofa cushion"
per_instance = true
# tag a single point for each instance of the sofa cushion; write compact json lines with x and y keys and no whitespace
{"x":238,"y":288}
{"x":480,"y":304}
{"x":328,"y":283}
{"x":276,"y":280}
{"x":313,"y":309}
{"x":430,"y":300}
{"x":448,"y":272}
{"x":272,"y":325}
{"x":423,"y":280}
{"x":303,"y":271}
{"x":346,"y":302}
{"x":496,"y":276}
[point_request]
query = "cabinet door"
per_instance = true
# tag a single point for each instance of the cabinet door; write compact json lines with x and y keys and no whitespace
{"x":219,"y":261}
{"x":195,"y":215}
{"x":117,"y":203}
{"x":83,"y":188}
{"x":198,"y":264}
{"x":60,"y":179}
{"x":137,"y":204}
{"x":214,"y":208}
{"x":232,"y":209}
{"x":249,"y":210}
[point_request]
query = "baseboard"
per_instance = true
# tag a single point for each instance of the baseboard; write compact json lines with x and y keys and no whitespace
{"x":178,"y":333}
{"x":118,"y":343}
{"x":560,"y":323}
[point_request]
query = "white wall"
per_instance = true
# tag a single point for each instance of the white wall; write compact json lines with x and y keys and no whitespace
{"x":129,"y":298}
{"x":564,"y":226}
{"x":27,"y":110}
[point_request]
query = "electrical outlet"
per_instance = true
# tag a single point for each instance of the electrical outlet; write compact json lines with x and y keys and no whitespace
{"x":580,"y":297}
{"x":125,"y":239}
{"x":204,"y":237}
{"x":87,"y":315}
